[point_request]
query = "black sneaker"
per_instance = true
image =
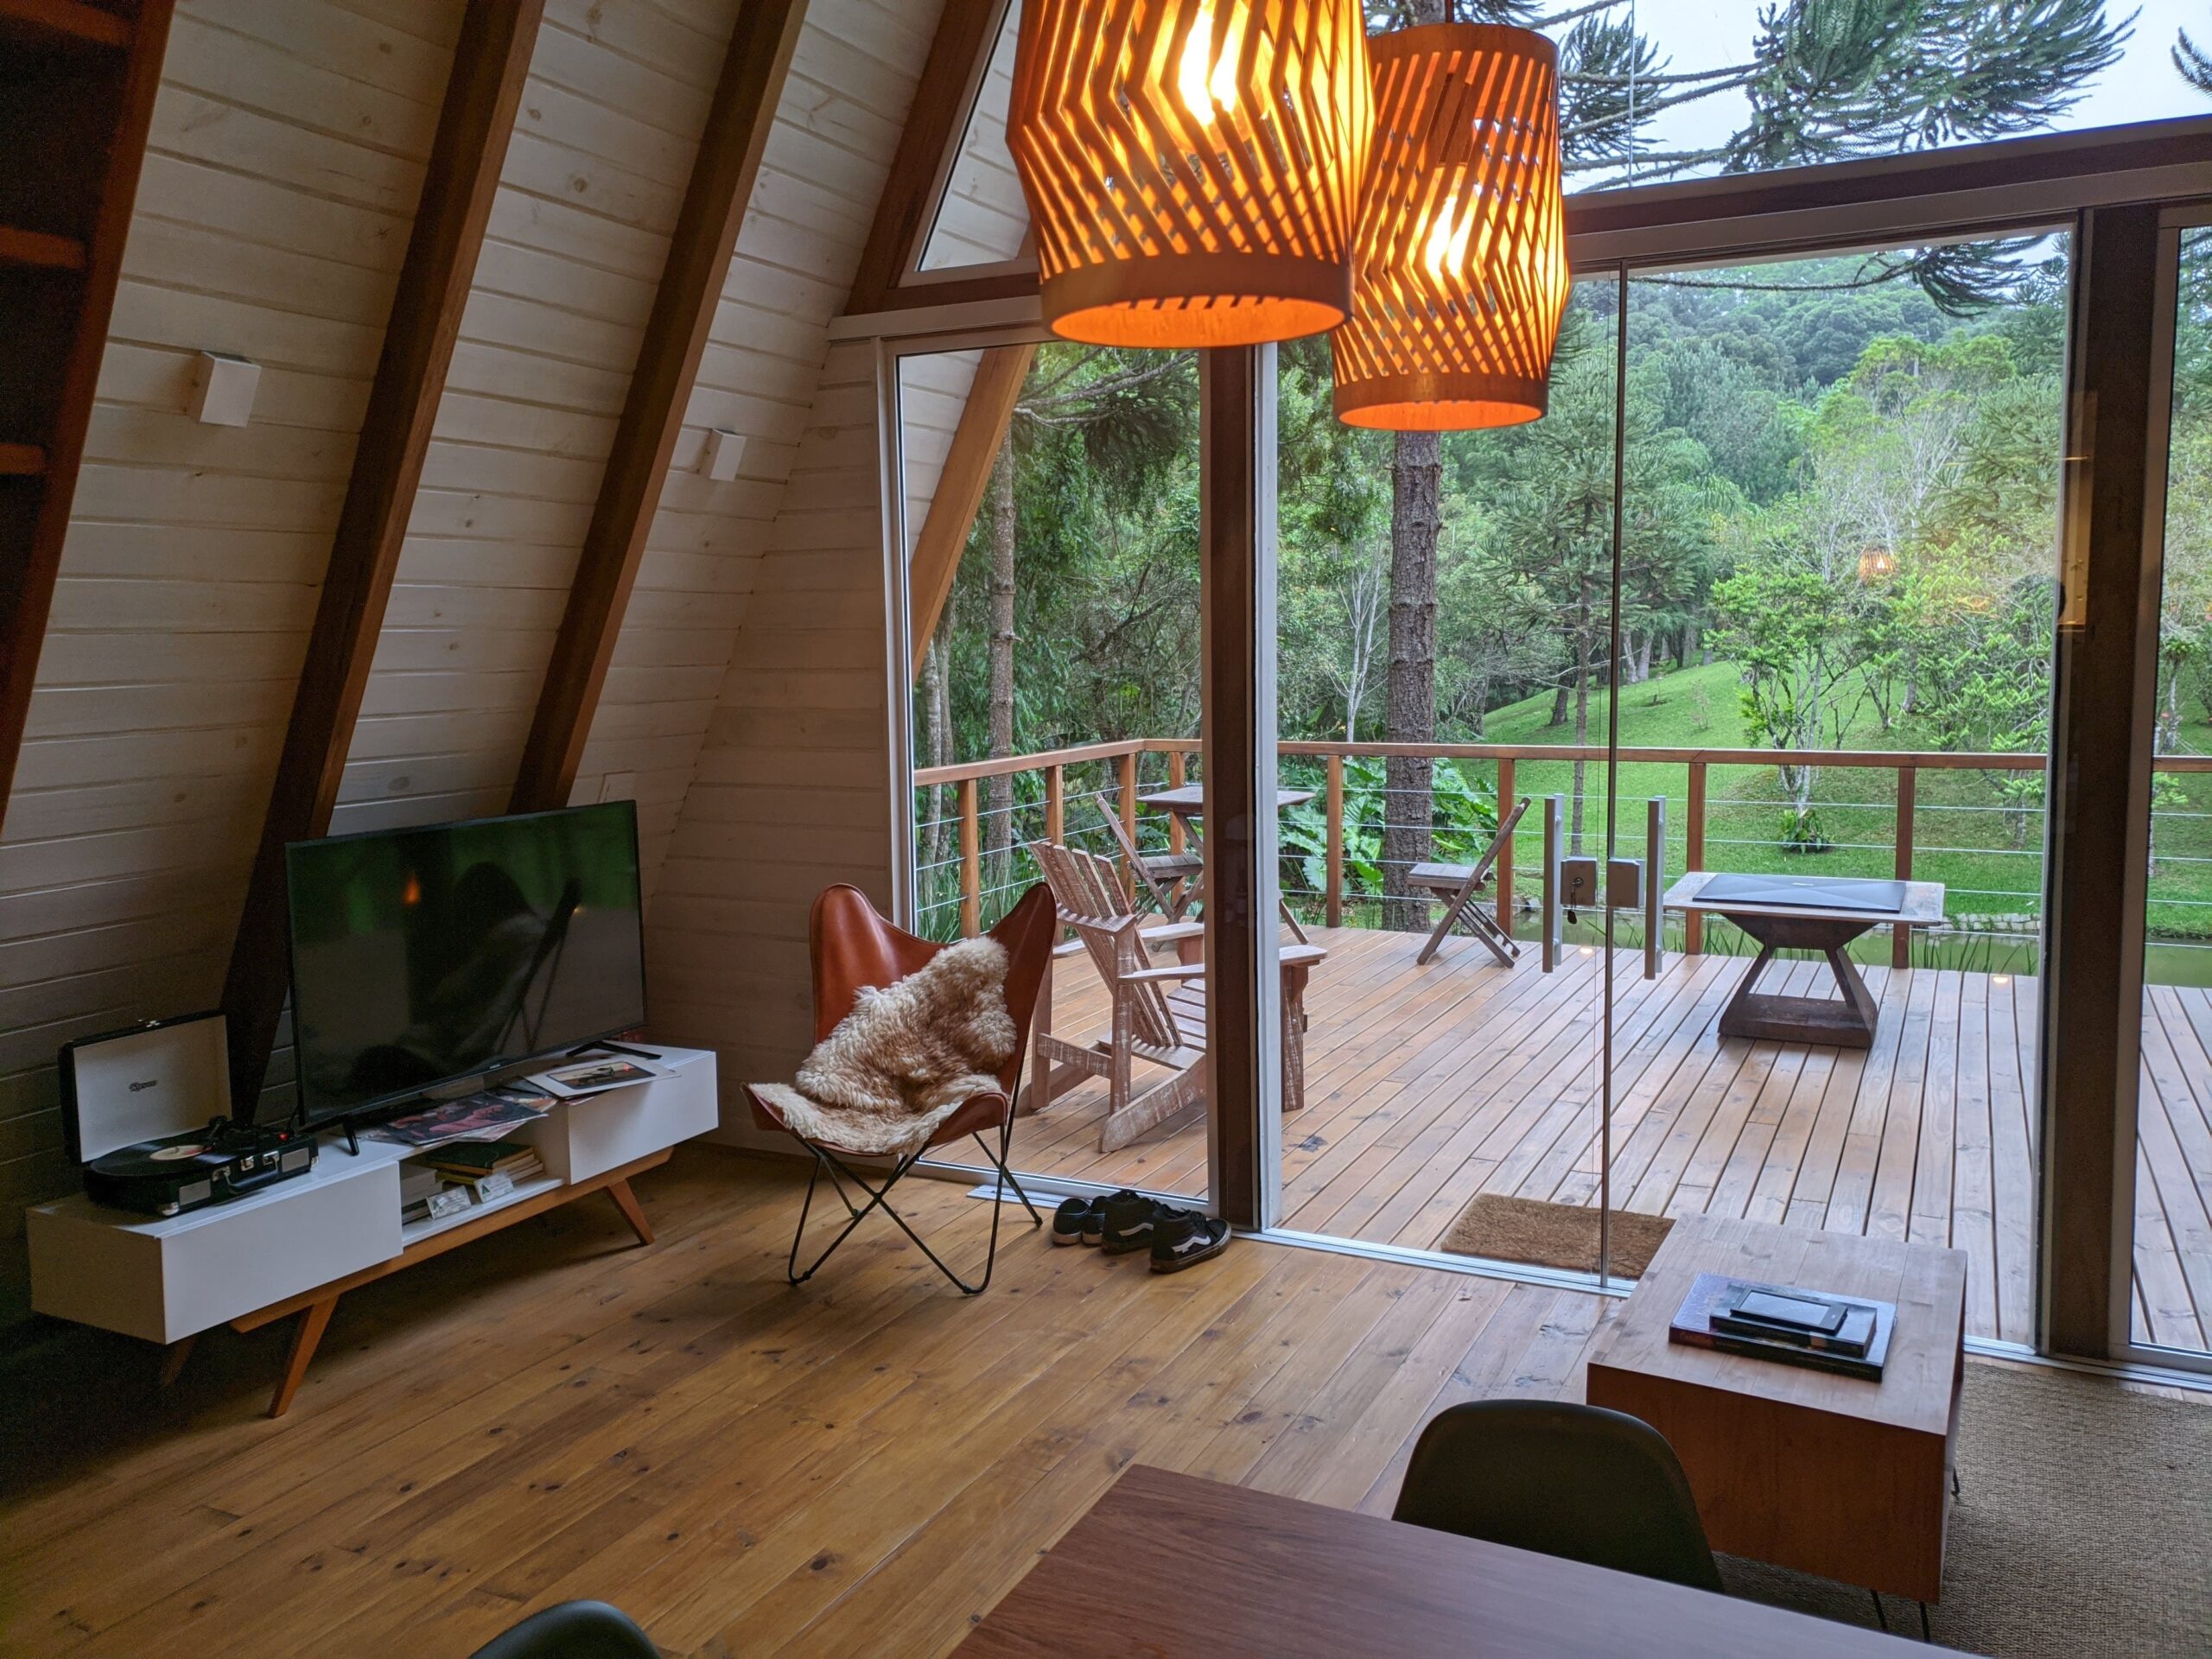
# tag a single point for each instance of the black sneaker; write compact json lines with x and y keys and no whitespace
{"x":1128,"y":1222}
{"x":1183,"y":1238}
{"x":1075,"y":1218}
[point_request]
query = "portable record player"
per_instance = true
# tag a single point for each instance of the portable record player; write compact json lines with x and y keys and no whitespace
{"x":147,"y":1115}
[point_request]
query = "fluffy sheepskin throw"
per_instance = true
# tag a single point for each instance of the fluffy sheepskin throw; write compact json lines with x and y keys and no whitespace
{"x":906,"y":1057}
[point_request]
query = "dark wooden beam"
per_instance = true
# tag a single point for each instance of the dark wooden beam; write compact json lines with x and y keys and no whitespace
{"x":2096,"y":873}
{"x":1236,"y":447}
{"x":490,"y":61}
{"x":660,"y":386}
{"x":935,"y":122}
{"x":945,"y":527}
{"x":34,"y":510}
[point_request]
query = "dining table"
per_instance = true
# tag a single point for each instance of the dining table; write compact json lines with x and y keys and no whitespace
{"x":1167,"y":1566}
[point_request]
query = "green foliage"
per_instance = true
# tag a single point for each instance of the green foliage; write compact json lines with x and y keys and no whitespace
{"x":1466,"y":817}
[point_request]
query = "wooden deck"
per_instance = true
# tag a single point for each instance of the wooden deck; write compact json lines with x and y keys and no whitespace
{"x":1427,"y":1085}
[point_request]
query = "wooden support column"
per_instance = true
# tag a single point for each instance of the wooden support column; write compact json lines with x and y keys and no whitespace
{"x":2113,"y":524}
{"x":1693,"y":855}
{"x":1179,"y":773}
{"x":960,"y":486}
{"x":971,"y":863}
{"x":1907,"y":790}
{"x":1237,"y":448}
{"x":1504,"y":867}
{"x":491,"y":62}
{"x":1056,"y":788}
{"x":714,"y":202}
{"x":1333,"y":899}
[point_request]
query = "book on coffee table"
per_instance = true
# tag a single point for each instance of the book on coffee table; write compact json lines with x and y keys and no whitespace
{"x":1858,"y":1346}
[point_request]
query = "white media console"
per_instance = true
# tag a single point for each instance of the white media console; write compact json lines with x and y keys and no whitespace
{"x":296,"y":1247}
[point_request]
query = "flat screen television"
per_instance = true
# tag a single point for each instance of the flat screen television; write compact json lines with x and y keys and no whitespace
{"x":424,"y":956}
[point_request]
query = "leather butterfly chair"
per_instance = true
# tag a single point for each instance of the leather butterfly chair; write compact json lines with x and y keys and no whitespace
{"x":853,"y":947}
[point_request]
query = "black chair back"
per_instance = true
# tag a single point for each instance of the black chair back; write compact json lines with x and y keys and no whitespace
{"x":574,"y":1629}
{"x":1574,"y":1481}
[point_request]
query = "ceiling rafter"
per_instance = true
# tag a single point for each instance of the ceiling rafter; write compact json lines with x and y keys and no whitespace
{"x":714,"y":203}
{"x":935,"y":126}
{"x":491,"y":63}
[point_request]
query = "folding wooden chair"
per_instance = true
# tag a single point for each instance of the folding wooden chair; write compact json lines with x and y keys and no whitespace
{"x":1459,"y":885}
{"x":1169,"y":878}
{"x":854,"y":947}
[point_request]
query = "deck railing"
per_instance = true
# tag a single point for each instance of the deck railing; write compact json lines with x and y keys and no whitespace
{"x":1048,"y":786}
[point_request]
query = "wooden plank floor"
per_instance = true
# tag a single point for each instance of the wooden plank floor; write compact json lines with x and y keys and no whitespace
{"x":861,"y":1466}
{"x":1428,"y":1085}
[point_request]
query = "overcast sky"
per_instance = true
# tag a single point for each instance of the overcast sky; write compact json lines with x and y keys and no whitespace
{"x":1707,"y":34}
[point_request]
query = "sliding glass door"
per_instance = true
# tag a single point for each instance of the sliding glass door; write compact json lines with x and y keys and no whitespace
{"x":1050,"y":515}
{"x":2170,"y":1299}
{"x":1832,"y":673}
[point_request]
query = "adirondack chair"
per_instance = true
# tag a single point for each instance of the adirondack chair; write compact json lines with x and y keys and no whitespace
{"x":1170,"y":879}
{"x":1159,"y":1010}
{"x":1459,"y":886}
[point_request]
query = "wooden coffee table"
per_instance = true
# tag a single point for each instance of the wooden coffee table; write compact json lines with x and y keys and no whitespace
{"x":1812,"y":925}
{"x":1831,"y":1475}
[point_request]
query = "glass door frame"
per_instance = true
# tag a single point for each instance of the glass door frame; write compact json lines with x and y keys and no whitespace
{"x":2163,"y":302}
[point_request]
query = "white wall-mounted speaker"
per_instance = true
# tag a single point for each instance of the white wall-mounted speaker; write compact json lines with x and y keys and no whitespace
{"x":223,"y":390}
{"x":725,"y":450}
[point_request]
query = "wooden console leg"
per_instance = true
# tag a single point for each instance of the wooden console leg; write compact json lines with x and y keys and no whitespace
{"x":174,"y":1357}
{"x":632,"y":1212}
{"x":314,"y":1319}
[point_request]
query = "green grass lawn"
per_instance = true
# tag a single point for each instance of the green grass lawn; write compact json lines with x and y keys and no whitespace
{"x":1988,"y":856}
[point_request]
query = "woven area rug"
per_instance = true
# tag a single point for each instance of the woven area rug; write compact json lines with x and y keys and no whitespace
{"x":1553,"y":1235}
{"x":2083,"y":1525}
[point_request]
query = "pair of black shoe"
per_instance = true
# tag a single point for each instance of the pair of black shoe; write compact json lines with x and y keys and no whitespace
{"x":1124,"y":1222}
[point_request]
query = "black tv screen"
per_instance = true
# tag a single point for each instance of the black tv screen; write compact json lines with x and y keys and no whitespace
{"x":423,"y":955}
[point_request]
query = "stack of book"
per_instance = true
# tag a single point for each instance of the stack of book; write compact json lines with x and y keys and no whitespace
{"x":1844,"y":1334}
{"x":470,"y":1171}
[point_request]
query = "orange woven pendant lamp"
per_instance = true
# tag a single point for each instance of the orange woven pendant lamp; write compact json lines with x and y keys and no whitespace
{"x":1462,"y":234}
{"x":1192,"y":167}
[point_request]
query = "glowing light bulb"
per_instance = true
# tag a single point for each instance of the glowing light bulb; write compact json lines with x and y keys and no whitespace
{"x":2000,"y":979}
{"x":1589,"y":950}
{"x":1207,"y":83}
{"x":1449,"y":233}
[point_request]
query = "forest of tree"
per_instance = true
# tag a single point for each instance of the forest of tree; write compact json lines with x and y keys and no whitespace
{"x":1839,"y":493}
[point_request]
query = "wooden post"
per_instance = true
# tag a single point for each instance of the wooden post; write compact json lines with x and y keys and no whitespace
{"x":1504,"y":867}
{"x":1553,"y":836}
{"x":1179,"y":773}
{"x":1128,"y":793}
{"x":1693,"y":855}
{"x":1654,"y":886}
{"x":1055,"y":803}
{"x":971,"y":863}
{"x":1901,"y":937}
{"x":1332,"y":901}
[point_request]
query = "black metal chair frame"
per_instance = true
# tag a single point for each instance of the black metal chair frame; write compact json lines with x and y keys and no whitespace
{"x":879,"y":1197}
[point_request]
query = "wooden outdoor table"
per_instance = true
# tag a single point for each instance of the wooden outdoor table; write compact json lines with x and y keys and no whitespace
{"x":1839,"y":1476}
{"x":1174,"y":1568}
{"x":1809,"y":926}
{"x":1189,"y":800}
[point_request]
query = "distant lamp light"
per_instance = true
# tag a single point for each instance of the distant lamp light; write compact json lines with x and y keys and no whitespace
{"x":1877,"y":564}
{"x":1192,"y":167}
{"x":1463,"y":272}
{"x":1589,"y":950}
{"x":2000,"y":979}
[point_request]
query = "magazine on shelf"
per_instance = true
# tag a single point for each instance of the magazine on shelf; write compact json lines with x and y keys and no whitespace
{"x":596,"y":1073}
{"x":487,"y":1114}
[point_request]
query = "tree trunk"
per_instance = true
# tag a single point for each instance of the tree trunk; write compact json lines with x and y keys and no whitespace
{"x":1644,"y":659}
{"x":998,"y":792}
{"x":1410,"y":716}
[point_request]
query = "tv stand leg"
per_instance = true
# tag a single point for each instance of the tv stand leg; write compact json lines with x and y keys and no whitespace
{"x":173,"y":1357}
{"x":314,"y":1319}
{"x":632,"y":1212}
